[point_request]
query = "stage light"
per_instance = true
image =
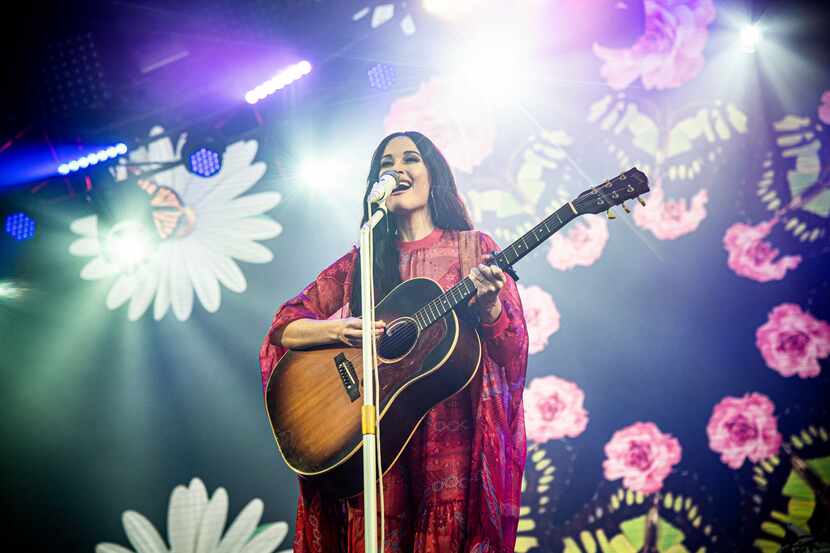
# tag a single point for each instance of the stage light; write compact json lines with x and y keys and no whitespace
{"x":278,"y":82}
{"x":127,"y":244}
{"x":204,"y":162}
{"x":92,"y":158}
{"x":317,"y":173}
{"x":309,"y":172}
{"x":20,"y":226}
{"x":496,"y":61}
{"x":10,"y":291}
{"x":382,"y":76}
{"x":751,"y":36}
{"x":203,"y":151}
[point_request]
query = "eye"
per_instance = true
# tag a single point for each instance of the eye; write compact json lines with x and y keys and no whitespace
{"x":412,"y":159}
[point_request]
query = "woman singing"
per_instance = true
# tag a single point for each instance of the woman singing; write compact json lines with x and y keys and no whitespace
{"x":456,"y":486}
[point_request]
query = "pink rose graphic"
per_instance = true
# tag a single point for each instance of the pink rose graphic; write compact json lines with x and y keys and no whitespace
{"x":670,"y":219}
{"x":553,"y":409}
{"x":462,"y":129}
{"x":792,"y":341}
{"x":541,"y":315}
{"x":752,"y":257}
{"x":642,"y":456}
{"x":824,"y":108}
{"x":582,"y":245}
{"x":743,"y":427}
{"x":670,"y":51}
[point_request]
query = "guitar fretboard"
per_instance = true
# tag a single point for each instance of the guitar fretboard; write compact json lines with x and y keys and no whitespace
{"x":465,"y":289}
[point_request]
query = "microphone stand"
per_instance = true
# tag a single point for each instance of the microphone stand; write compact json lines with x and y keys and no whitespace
{"x":369,"y":410}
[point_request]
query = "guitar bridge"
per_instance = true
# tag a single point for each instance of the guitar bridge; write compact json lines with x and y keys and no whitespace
{"x":345,"y":369}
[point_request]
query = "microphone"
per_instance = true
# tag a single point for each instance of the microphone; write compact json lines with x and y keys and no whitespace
{"x":381,"y":190}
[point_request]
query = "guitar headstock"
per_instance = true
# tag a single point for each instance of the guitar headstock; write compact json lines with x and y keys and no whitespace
{"x":623,"y":187}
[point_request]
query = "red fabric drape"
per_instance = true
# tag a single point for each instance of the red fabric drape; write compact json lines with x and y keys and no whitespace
{"x":457,"y":486}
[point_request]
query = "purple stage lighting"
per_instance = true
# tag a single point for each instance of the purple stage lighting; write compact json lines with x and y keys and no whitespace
{"x":20,"y":227}
{"x":382,"y":76}
{"x":92,"y":158}
{"x":204,"y":162}
{"x":278,"y":82}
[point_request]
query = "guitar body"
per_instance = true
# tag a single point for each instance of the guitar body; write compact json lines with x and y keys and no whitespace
{"x":314,"y":397}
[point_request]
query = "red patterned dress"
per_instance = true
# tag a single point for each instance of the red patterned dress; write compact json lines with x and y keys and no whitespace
{"x":457,"y":486}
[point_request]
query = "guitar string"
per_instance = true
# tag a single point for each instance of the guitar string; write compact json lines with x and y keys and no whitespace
{"x":437,"y":304}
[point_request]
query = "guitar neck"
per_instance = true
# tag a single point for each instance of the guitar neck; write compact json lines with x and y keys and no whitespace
{"x":505,"y":259}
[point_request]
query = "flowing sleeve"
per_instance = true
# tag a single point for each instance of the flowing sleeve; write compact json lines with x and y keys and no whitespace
{"x":319,"y":300}
{"x":506,"y":337}
{"x":499,"y":444}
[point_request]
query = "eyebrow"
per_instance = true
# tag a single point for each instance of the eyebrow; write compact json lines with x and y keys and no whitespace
{"x":406,"y":152}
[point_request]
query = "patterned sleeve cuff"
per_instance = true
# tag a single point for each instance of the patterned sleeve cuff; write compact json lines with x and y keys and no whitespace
{"x":497,"y":327}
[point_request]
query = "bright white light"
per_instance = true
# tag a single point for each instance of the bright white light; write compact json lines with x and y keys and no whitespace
{"x":127,"y":244}
{"x":92,"y":159}
{"x":83,"y":163}
{"x":309,"y":171}
{"x":63,"y":169}
{"x":10,"y":291}
{"x":750,"y":38}
{"x":296,"y":72}
{"x":120,"y":148}
{"x":452,"y":10}
{"x":278,"y":82}
{"x":318,"y":173}
{"x":102,"y":155}
{"x":495,"y":62}
{"x":73,"y":165}
{"x":111,"y":151}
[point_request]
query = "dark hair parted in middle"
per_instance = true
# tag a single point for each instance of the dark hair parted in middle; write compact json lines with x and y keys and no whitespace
{"x":445,"y":207}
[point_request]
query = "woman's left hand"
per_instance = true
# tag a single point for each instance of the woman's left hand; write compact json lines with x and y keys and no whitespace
{"x":488,"y":280}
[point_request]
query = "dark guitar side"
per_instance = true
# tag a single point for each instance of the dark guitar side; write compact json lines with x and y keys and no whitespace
{"x":317,"y":426}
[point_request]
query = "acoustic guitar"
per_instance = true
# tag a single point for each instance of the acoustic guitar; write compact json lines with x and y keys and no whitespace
{"x":427,"y":353}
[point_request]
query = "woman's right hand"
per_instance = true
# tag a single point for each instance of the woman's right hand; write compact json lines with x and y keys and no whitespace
{"x":350,"y":331}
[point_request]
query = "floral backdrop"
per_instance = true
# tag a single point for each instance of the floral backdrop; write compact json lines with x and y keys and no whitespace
{"x":677,"y":388}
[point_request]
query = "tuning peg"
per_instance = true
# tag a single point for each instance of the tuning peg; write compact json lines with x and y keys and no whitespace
{"x":626,"y":208}
{"x":642,"y":201}
{"x":611,"y":214}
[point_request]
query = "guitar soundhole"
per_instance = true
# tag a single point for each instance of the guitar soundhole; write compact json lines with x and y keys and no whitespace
{"x":398,"y":340}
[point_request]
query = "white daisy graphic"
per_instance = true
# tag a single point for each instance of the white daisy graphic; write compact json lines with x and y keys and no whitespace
{"x":200,"y":227}
{"x":195,"y":524}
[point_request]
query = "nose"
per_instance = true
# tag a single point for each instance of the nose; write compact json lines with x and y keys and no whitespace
{"x":398,"y":167}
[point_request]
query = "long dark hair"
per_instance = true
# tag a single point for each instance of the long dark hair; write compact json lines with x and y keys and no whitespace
{"x":445,"y":206}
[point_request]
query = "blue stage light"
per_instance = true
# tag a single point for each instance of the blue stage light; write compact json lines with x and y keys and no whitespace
{"x":205,"y":162}
{"x":382,"y":76}
{"x":19,"y":226}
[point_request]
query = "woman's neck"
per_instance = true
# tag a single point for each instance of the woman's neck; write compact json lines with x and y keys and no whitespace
{"x":414,"y":225}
